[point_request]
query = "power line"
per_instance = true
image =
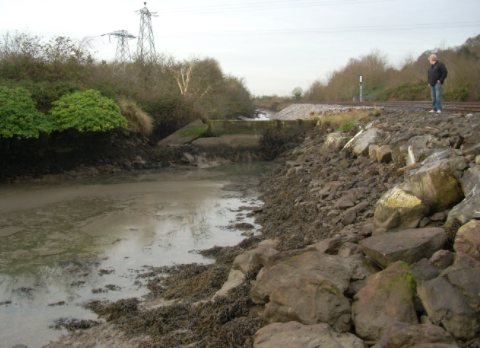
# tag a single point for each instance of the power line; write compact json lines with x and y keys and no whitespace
{"x":267,"y":5}
{"x":252,"y":6}
{"x":382,"y":28}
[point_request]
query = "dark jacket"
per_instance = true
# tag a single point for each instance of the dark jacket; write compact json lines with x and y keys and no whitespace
{"x":436,"y":72}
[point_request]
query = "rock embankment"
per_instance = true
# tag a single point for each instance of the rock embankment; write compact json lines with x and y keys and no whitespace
{"x":369,"y":238}
{"x":365,"y":227}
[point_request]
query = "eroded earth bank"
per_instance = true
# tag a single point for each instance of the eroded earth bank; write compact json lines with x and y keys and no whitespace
{"x":369,"y":238}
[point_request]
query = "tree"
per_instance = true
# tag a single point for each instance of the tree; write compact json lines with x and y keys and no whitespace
{"x":87,"y":111}
{"x":19,"y":117}
{"x":297,"y":93}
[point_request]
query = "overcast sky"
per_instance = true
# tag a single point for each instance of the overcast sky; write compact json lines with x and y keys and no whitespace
{"x":276,"y":45}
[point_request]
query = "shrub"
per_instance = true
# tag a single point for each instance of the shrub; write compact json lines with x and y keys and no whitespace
{"x":347,"y":126}
{"x":459,"y":95}
{"x":19,"y":117}
{"x":87,"y":111}
{"x":138,"y":120}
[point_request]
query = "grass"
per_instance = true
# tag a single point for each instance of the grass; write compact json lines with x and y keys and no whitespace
{"x":192,"y":131}
{"x":138,"y":120}
{"x":344,"y":120}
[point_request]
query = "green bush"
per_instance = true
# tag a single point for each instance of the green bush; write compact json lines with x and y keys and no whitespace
{"x":347,"y":126}
{"x":458,"y":95}
{"x":87,"y":111}
{"x":19,"y":117}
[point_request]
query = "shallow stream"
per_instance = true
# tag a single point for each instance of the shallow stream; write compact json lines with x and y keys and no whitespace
{"x":64,"y":243}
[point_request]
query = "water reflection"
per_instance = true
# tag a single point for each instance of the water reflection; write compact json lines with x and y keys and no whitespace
{"x":73,"y":243}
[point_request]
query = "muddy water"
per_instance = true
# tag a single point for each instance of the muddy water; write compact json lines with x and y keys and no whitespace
{"x":62,"y":244}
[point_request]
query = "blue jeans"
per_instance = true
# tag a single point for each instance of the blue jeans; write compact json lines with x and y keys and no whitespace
{"x":437,"y":96}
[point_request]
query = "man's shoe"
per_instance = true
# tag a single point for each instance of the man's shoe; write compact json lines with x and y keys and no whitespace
{"x":439,"y":112}
{"x":432,"y":111}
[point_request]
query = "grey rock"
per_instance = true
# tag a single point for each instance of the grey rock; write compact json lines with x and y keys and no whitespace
{"x":335,"y":142}
{"x":435,"y":183}
{"x":349,"y":218}
{"x":309,"y":301}
{"x":387,"y":297}
{"x":398,"y":210}
{"x":403,"y":335}
{"x":468,"y":209}
{"x":372,"y":151}
{"x":253,"y":258}
{"x":442,"y":259}
{"x":467,"y":239}
{"x":470,"y":179}
{"x":344,"y":203}
{"x":289,"y":266}
{"x":329,"y":245}
{"x":425,"y":270}
{"x":348,"y":249}
{"x":384,"y":154}
{"x":286,"y":267}
{"x":369,"y":137}
{"x":464,"y":260}
{"x":296,"y":335}
{"x":409,"y":245}
{"x":452,"y":300}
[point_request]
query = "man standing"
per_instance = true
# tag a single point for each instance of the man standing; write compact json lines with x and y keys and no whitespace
{"x":437,"y":73}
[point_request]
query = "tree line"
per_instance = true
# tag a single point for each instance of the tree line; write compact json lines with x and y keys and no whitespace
{"x":384,"y":82}
{"x":50,"y":85}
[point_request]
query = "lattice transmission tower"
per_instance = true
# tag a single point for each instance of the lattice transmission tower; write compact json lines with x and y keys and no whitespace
{"x":146,"y":42}
{"x":122,"y":56}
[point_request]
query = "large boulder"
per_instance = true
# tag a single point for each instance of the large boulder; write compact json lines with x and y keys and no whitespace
{"x":362,"y":142}
{"x":253,"y":258}
{"x":296,"y":335}
{"x":388,"y":297}
{"x":453,"y":300}
{"x":417,"y":148}
{"x":384,"y":154}
{"x":403,"y":335}
{"x":309,"y":301}
{"x":335,"y":142}
{"x":409,"y":246}
{"x":398,"y":210}
{"x":467,"y":239}
{"x":467,"y":210}
{"x":436,"y":183}
{"x":289,"y":266}
{"x":470,"y":179}
{"x":348,"y":274}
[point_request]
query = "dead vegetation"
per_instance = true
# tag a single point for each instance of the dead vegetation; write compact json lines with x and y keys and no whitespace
{"x":138,"y":120}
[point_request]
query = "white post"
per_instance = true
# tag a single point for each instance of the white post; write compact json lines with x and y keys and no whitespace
{"x":361,"y":88}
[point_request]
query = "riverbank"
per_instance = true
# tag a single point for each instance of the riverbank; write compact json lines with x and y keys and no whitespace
{"x":382,"y":226}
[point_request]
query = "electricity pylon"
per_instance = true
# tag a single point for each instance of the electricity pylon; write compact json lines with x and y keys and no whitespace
{"x":122,"y":56}
{"x":146,"y":43}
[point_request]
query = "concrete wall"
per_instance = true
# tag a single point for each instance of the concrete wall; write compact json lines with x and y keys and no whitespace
{"x":222,"y":127}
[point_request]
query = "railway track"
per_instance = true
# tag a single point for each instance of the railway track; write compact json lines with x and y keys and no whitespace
{"x":467,"y":107}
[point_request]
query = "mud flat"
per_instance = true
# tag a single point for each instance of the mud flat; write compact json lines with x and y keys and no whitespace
{"x":74,"y":241}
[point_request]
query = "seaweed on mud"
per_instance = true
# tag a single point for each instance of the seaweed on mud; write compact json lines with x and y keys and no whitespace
{"x":74,"y":324}
{"x":193,"y":281}
{"x":114,"y":310}
{"x":225,"y":322}
{"x":96,"y":306}
{"x":105,"y":271}
{"x":61,"y":303}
